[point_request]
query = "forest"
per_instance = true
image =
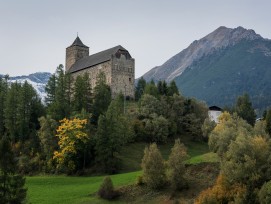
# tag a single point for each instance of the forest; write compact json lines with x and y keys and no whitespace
{"x":80,"y":130}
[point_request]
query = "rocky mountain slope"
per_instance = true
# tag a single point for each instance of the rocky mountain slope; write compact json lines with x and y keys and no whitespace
{"x":38,"y":80}
{"x":222,"y":65}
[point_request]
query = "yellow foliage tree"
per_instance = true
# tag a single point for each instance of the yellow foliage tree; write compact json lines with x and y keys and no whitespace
{"x":222,"y":192}
{"x":72,"y":140}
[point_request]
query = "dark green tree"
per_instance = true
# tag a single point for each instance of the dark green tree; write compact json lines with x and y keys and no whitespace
{"x":140,"y":87}
{"x":11,"y":184}
{"x":3,"y":94}
{"x":268,"y":122}
{"x":151,"y":89}
{"x":245,"y":110}
{"x":162,"y":87}
{"x":114,"y":130}
{"x":102,"y":98}
{"x":11,"y":111}
{"x":82,"y":93}
{"x":172,"y":89}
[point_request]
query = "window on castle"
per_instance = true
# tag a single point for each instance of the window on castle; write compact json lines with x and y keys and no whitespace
{"x":130,"y":80}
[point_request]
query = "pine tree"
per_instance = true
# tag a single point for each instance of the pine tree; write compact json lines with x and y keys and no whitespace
{"x":3,"y":94}
{"x":268,"y":122}
{"x":11,"y":184}
{"x":11,"y":111}
{"x":172,"y":89}
{"x":245,"y":110}
{"x":114,"y":130}
{"x":82,"y":94}
{"x":140,"y":88}
{"x":102,"y":98}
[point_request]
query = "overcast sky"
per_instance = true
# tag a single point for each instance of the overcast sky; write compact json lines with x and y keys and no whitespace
{"x":34,"y":33}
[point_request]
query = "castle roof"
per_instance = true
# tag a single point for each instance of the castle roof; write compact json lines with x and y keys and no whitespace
{"x":78,"y":42}
{"x":95,"y":59}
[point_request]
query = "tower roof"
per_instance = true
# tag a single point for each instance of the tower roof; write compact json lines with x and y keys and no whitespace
{"x":78,"y":42}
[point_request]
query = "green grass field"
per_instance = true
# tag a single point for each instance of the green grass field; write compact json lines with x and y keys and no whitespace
{"x":73,"y":190}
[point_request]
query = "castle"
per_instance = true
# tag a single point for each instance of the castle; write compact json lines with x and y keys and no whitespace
{"x":116,"y":63}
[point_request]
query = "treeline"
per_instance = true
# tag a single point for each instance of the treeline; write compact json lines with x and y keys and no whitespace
{"x":81,"y":128}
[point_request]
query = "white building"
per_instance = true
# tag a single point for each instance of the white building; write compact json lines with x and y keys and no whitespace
{"x":214,"y":112}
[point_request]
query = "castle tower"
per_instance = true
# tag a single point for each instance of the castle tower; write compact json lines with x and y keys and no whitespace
{"x":75,"y":52}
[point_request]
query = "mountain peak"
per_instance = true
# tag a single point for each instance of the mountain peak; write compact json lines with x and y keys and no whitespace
{"x":220,"y":38}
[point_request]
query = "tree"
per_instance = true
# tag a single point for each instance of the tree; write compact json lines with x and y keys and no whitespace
{"x":140,"y":88}
{"x":46,"y":134}
{"x":245,"y":110}
{"x":156,"y":128}
{"x":11,"y":184}
{"x":102,"y":98}
{"x":151,"y":89}
{"x":72,"y":143}
{"x":153,"y":167}
{"x":173,"y":89}
{"x":11,"y":111}
{"x":114,"y":130}
{"x":265,"y":193}
{"x":207,"y":128}
{"x":3,"y":94}
{"x":82,"y":93}
{"x":176,"y":165}
{"x":268,"y":122}
{"x":226,"y":131}
{"x":162,"y":87}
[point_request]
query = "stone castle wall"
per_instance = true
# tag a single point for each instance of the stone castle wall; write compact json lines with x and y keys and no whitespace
{"x":119,"y":72}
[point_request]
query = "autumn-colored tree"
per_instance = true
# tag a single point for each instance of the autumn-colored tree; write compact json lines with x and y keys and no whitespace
{"x":72,"y":142}
{"x":222,"y":192}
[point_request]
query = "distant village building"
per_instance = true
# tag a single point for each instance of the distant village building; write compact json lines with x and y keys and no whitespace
{"x":116,"y":63}
{"x":214,"y":112}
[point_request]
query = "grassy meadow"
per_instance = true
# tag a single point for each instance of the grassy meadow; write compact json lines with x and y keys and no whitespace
{"x":73,"y":190}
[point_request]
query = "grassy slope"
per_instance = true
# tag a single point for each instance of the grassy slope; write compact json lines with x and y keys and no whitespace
{"x":63,"y":189}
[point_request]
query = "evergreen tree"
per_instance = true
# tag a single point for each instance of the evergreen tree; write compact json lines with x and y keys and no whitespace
{"x":11,"y":184}
{"x":11,"y":111}
{"x":245,"y":110}
{"x":114,"y":130}
{"x":3,"y":94}
{"x":172,"y":89}
{"x":151,"y":89}
{"x":268,"y":122}
{"x":140,"y":88}
{"x":82,"y":93}
{"x":102,"y":98}
{"x":50,"y":90}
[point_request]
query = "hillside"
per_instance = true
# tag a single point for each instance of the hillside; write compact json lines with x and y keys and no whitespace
{"x":221,"y":66}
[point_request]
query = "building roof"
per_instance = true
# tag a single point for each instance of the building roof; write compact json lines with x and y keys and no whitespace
{"x":78,"y":42}
{"x":95,"y":59}
{"x":215,"y":108}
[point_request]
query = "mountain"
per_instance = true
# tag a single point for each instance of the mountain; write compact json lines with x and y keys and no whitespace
{"x":221,"y":66}
{"x":38,"y":80}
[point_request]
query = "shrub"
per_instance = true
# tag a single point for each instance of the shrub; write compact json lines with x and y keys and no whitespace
{"x":265,"y":193}
{"x":153,"y":167}
{"x":106,"y":190}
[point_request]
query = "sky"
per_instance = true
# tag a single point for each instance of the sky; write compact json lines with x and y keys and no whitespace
{"x":34,"y":33}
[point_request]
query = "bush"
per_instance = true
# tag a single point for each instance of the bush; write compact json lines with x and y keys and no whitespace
{"x":265,"y":193}
{"x":153,"y":167}
{"x":139,"y":180}
{"x":106,"y":190}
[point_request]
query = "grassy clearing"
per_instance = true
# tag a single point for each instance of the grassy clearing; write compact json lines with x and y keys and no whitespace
{"x":70,"y":190}
{"x":132,"y":154}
